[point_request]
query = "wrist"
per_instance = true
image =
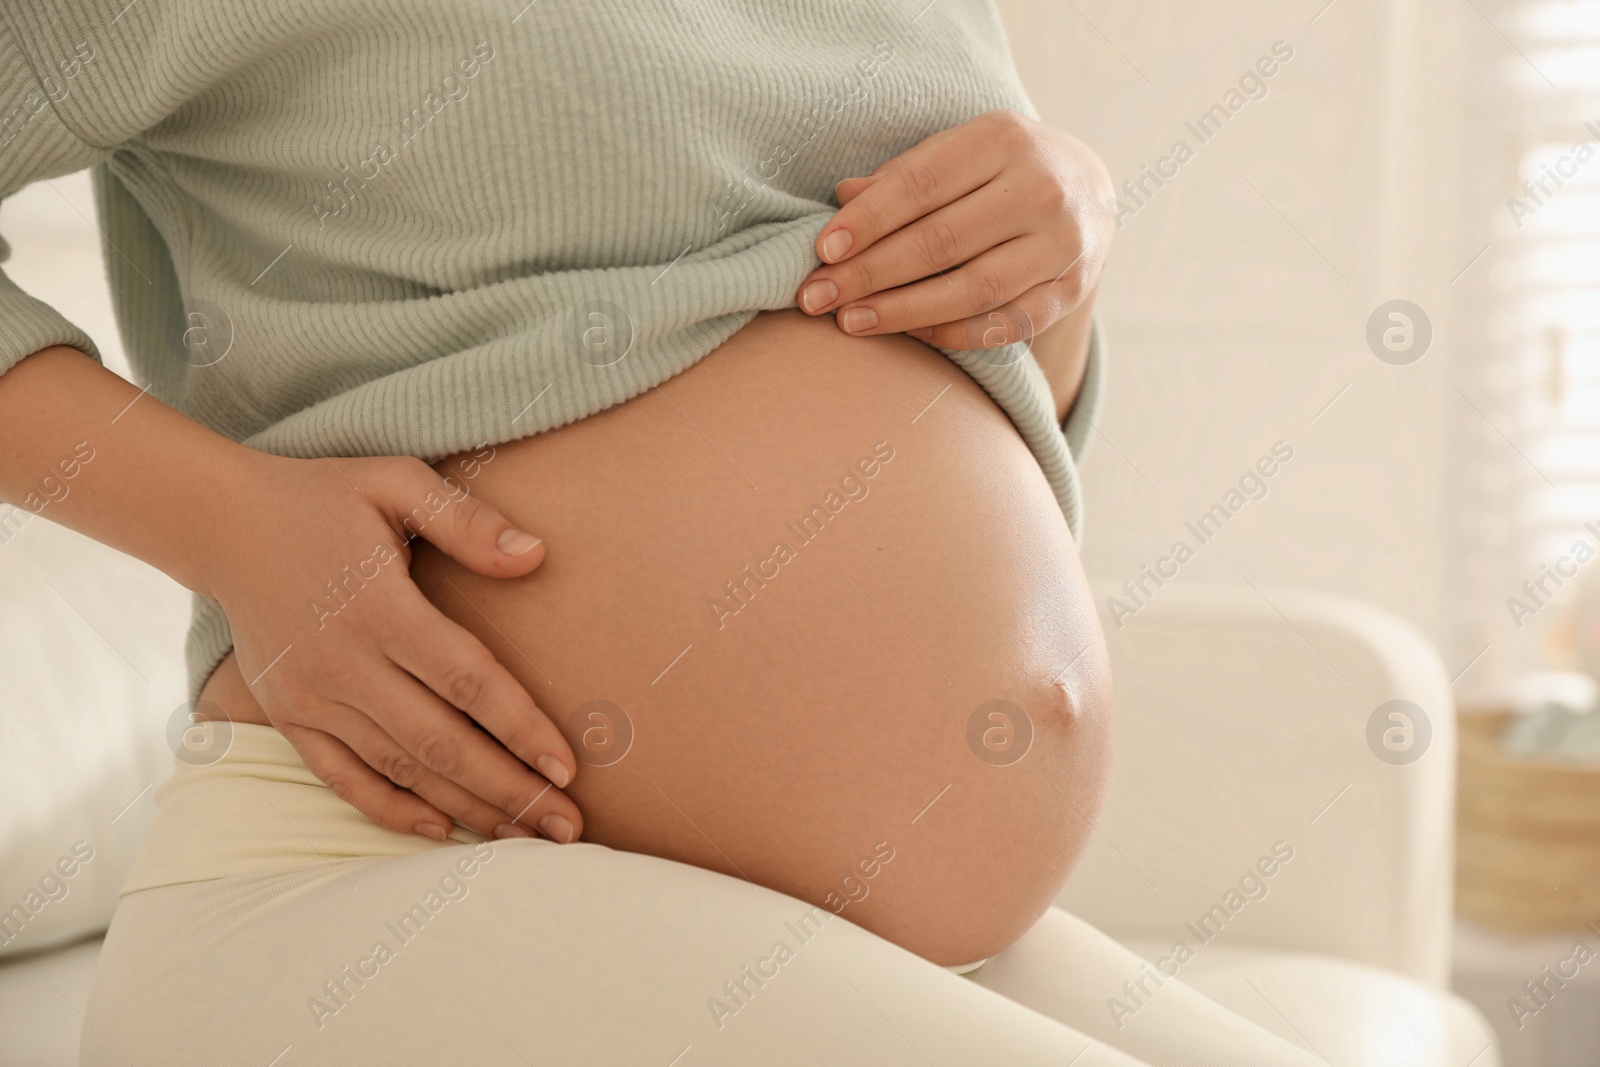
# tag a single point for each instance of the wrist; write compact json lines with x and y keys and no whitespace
{"x":237,"y":487}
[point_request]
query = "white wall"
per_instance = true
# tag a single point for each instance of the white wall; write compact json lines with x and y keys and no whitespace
{"x":1232,"y":321}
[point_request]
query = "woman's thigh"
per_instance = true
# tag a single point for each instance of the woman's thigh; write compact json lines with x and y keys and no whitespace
{"x":526,"y":952}
{"x":1069,"y":971}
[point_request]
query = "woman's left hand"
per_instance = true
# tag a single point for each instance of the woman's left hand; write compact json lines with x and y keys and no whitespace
{"x":1020,"y":211}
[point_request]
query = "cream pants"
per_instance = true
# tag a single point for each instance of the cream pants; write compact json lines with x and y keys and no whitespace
{"x":269,"y":924}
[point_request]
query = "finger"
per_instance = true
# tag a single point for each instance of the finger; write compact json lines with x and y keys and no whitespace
{"x":363,"y":788}
{"x":455,"y":665}
{"x":441,"y":511}
{"x":982,"y":284}
{"x":383,"y":754}
{"x":446,"y":742}
{"x":894,"y":161}
{"x":924,"y":178}
{"x":849,"y":188}
{"x":1022,"y":319}
{"x":931,"y":245}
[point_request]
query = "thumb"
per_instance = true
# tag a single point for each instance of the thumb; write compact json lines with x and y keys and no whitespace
{"x":442,"y":512}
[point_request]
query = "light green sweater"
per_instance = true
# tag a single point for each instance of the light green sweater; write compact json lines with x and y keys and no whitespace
{"x":413,"y":227}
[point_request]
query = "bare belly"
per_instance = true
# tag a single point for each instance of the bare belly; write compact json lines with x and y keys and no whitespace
{"x":804,"y":628}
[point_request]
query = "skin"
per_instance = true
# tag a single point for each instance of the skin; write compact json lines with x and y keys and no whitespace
{"x":801,"y":738}
{"x":409,"y":709}
{"x":989,"y":232}
{"x":378,"y":687}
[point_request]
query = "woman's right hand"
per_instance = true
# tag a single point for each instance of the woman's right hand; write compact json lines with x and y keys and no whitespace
{"x":378,"y":691}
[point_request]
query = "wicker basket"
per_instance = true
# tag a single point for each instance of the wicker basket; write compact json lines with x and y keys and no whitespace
{"x":1527,"y":836}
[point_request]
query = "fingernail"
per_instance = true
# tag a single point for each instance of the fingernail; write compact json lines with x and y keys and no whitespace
{"x":922,"y":333}
{"x":506,"y":829}
{"x":857,"y":319}
{"x":433,"y":830}
{"x":513,"y":542}
{"x":557,"y":828}
{"x":818,"y":295}
{"x":836,"y":244}
{"x":554,"y":770}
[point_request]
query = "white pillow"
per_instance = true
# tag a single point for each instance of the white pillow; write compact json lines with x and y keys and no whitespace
{"x":91,"y":671}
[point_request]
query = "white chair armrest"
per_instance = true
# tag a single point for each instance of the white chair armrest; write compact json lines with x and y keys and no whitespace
{"x":91,"y":665}
{"x":1243,"y":721}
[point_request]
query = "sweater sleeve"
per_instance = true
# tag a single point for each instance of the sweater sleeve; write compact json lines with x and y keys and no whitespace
{"x":1086,"y":408}
{"x":34,"y":144}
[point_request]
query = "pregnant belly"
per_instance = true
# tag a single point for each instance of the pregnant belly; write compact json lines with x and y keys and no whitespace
{"x":810,"y":616}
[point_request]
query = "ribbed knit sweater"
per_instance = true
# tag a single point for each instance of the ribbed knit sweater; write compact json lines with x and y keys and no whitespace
{"x":412,"y":227}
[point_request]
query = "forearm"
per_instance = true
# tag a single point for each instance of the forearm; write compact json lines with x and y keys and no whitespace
{"x":1062,"y":352}
{"x":83,"y":447}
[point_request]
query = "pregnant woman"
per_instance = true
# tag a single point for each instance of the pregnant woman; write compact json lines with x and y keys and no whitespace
{"x":623,"y":453}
